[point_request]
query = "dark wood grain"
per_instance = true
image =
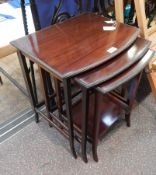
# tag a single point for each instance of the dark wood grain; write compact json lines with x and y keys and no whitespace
{"x":126,"y":75}
{"x":114,"y":66}
{"x":75,"y":45}
{"x":109,"y":114}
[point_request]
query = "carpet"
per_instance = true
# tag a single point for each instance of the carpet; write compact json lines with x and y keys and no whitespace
{"x":41,"y":150}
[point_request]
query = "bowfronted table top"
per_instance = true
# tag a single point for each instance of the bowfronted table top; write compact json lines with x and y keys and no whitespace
{"x":115,"y":66}
{"x":76,"y":45}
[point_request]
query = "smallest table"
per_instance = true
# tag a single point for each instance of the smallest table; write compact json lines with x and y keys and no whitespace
{"x":110,"y":74}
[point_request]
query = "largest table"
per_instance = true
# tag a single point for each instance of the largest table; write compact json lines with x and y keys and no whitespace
{"x":71,"y":48}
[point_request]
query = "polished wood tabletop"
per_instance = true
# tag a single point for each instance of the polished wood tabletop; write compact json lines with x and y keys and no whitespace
{"x":76,"y":45}
{"x":115,"y":66}
{"x":126,"y":75}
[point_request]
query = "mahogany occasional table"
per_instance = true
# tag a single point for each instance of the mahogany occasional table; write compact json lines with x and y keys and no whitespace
{"x":70,"y":48}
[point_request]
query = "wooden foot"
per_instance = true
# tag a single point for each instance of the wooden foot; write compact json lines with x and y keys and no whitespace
{"x":95,"y":155}
{"x":1,"y":82}
{"x":127,"y":118}
{"x":84,"y":158}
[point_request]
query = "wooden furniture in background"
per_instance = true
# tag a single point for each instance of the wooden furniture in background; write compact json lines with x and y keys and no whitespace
{"x":140,"y":13}
{"x":142,"y":22}
{"x":119,"y":10}
{"x":151,"y":74}
{"x":149,"y":34}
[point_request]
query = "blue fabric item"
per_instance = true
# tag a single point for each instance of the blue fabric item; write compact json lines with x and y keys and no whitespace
{"x":16,"y":3}
{"x":46,"y":9}
{"x":7,"y":16}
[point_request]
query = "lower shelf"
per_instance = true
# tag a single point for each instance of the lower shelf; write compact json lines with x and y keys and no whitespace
{"x":110,"y":113}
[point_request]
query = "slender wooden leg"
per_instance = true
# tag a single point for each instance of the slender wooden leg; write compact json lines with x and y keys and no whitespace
{"x":45,"y":91}
{"x":96,"y":126}
{"x":68,"y":103}
{"x":131,"y":97}
{"x":25,"y":71}
{"x":50,"y":90}
{"x":127,"y":118}
{"x":123,"y":91}
{"x":33,"y":81}
{"x":58,"y":97}
{"x":1,"y":82}
{"x":85,"y":104}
